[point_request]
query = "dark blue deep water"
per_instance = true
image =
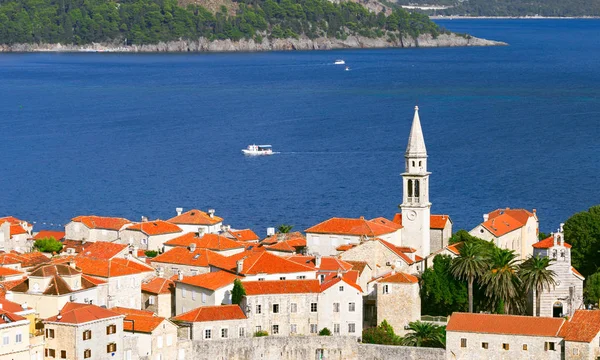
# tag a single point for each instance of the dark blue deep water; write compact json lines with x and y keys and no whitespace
{"x":133,"y":135}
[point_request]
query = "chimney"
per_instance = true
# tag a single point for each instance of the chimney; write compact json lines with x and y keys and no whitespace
{"x":0,"y":306}
{"x":179,"y":275}
{"x":535,"y":211}
{"x":9,"y":296}
{"x":72,"y":264}
{"x":23,"y":306}
{"x":135,"y":250}
{"x":318,"y":261}
{"x":394,"y":270}
{"x":144,"y":219}
{"x":339,"y":273}
{"x":270,"y":231}
{"x":179,"y":211}
{"x":211,"y":213}
{"x":486,"y":217}
{"x":192,"y":247}
{"x":239,"y":266}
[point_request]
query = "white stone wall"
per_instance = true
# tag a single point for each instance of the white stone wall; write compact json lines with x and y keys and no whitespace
{"x":328,"y":317}
{"x":326,"y":244}
{"x":173,"y":269}
{"x":474,"y":349}
{"x":164,"y":304}
{"x":196,"y":296}
{"x":379,"y":257}
{"x":204,"y":229}
{"x":198,"y":330}
{"x":145,"y":242}
{"x":78,"y":231}
{"x":125,"y":291}
{"x":399,"y":306}
{"x":49,"y":305}
{"x":15,"y":350}
{"x":287,"y":276}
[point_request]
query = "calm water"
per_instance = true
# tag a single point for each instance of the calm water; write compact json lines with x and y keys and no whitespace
{"x":133,"y":135}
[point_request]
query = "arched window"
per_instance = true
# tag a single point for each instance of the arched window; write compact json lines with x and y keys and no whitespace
{"x":410,"y":188}
{"x":419,"y":163}
{"x":554,"y":253}
{"x":562,"y":254}
{"x":413,"y":164}
{"x":417,"y":190}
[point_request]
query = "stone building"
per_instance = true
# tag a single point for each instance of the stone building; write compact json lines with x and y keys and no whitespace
{"x":208,"y":323}
{"x":197,"y":221}
{"x":383,"y":257}
{"x":335,"y":312}
{"x":581,"y":335}
{"x":512,"y":229}
{"x":149,"y":235}
{"x":158,"y":296}
{"x":397,"y":300}
{"x":17,"y":343}
{"x":440,"y":230}
{"x":214,"y":242}
{"x":84,"y":331}
{"x":94,"y":228}
{"x":567,"y":295}
{"x":188,"y":262}
{"x":15,"y":234}
{"x":486,"y":336}
{"x":208,"y":289}
{"x":262,"y":265}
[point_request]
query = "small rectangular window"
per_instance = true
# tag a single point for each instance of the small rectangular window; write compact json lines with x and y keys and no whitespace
{"x":341,"y":288}
{"x":275,"y":329}
{"x":336,"y":328}
{"x":87,"y":335}
{"x":111,"y":329}
{"x":575,"y":351}
{"x":242,"y":332}
{"x":51,"y":353}
{"x":258,"y":309}
{"x":87,"y":354}
{"x":313,"y":328}
{"x":63,"y":354}
{"x":19,"y":338}
{"x":336,"y":307}
{"x":549,"y":346}
{"x":159,"y":342}
{"x":351,"y":307}
{"x":275,"y":308}
{"x":301,"y":277}
{"x":5,"y":340}
{"x":525,"y":347}
{"x":484,"y":345}
{"x":258,"y":328}
{"x":203,"y":298}
{"x":313,"y":307}
{"x":151,"y":300}
{"x":293,"y":329}
{"x":110,"y":348}
{"x":207,"y":333}
{"x":386,"y":289}
{"x":351,"y":328}
{"x":193,"y":294}
{"x":293,"y":307}
{"x":224,"y":333}
{"x":183,"y":293}
{"x":282,"y":278}
{"x":463,"y":343}
{"x":506,"y":346}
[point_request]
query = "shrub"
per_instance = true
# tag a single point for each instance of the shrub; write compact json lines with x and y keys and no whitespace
{"x":48,"y":245}
{"x":382,"y":334}
{"x":151,"y":253}
{"x":238,"y":292}
{"x":261,"y":333}
{"x":325,"y":332}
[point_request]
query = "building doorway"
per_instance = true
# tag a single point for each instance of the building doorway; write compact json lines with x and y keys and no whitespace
{"x":557,"y":309}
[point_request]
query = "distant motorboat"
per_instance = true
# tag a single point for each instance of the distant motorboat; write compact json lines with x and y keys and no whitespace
{"x":254,"y":150}
{"x":347,"y":68}
{"x":339,"y":62}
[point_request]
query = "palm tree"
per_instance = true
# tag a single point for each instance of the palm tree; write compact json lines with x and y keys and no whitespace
{"x":470,"y":264}
{"x":535,"y":275}
{"x":284,"y":228}
{"x":502,"y":281}
{"x":424,"y":334}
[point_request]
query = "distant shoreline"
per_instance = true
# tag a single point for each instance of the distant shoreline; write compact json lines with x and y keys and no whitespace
{"x":460,"y":17}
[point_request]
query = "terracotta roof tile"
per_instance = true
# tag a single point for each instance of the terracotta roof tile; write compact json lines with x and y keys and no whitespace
{"x":334,"y":279}
{"x":6,"y":271}
{"x":195,"y":217}
{"x":11,"y":317}
{"x":262,"y":263}
{"x":328,"y":263}
{"x":44,"y":234}
{"x":281,"y":287}
{"x":110,"y":268}
{"x":74,"y":313}
{"x":398,"y":278}
{"x":355,"y":227}
{"x":582,"y":327}
{"x":360,"y":266}
{"x":103,"y":250}
{"x":54,"y":269}
{"x":547,"y":243}
{"x":158,"y":285}
{"x":26,"y":260}
{"x":129,"y":311}
{"x":183,"y":256}
{"x":521,"y":215}
{"x":505,"y":324}
{"x":396,"y":251}
{"x":292,"y":236}
{"x":212,"y":313}
{"x":282,"y":246}
{"x":213,"y":242}
{"x":438,"y":221}
{"x":13,"y":220}
{"x":9,"y":285}
{"x":577,"y":273}
{"x":101,"y":222}
{"x":345,"y":247}
{"x":455,"y":248}
{"x":156,"y":227}
{"x":384,"y":221}
{"x":210,"y":281}
{"x":78,"y":246}
{"x":17,"y":230}
{"x":93,"y":280}
{"x":11,"y":306}
{"x":141,"y":323}
{"x":244,"y":235}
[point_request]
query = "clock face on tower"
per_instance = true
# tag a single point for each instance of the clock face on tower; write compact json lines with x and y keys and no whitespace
{"x":411,"y":215}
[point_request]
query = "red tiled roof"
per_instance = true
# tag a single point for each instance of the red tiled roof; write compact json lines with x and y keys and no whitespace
{"x":26,"y":260}
{"x":355,"y":227}
{"x":101,"y":222}
{"x":13,"y":220}
{"x":504,"y":324}
{"x":328,"y":263}
{"x":44,"y":234}
{"x":9,"y":315}
{"x":17,"y":230}
{"x":5,"y":271}
{"x":129,"y":311}
{"x":577,"y":273}
{"x":9,"y":285}
{"x":183,"y":256}
{"x":406,"y":249}
{"x":262,"y":263}
{"x":103,"y":250}
{"x":283,"y":246}
{"x":156,"y":227}
{"x":521,"y":215}
{"x":455,"y":248}
{"x":281,"y":287}
{"x":582,"y":327}
{"x":78,"y":246}
{"x":54,"y":269}
{"x":292,"y":236}
{"x":11,"y":306}
{"x":93,"y":280}
{"x":435,"y":221}
{"x":345,"y":247}
{"x":158,"y":285}
{"x":141,"y":323}
{"x":74,"y":313}
{"x":360,"y":266}
{"x":547,"y":243}
{"x":109,"y":268}
{"x":384,"y":221}
{"x":210,"y":281}
{"x":217,"y":243}
{"x":334,"y":279}
{"x":396,"y":251}
{"x":244,"y":235}
{"x":195,"y":217}
{"x":503,"y":221}
{"x":398,"y":278}
{"x":212,"y":313}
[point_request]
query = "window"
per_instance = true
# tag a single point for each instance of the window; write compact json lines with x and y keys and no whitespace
{"x":313,"y":328}
{"x":258,"y":309}
{"x":336,"y":307}
{"x":203,"y":297}
{"x":386,"y":289}
{"x":19,"y":338}
{"x":341,"y":288}
{"x":193,"y":294}
{"x":261,"y":279}
{"x":207,"y":333}
{"x":63,"y":354}
{"x":506,"y":346}
{"x":322,"y":277}
{"x":484,"y":345}
{"x":50,"y":333}
{"x":313,"y":307}
{"x":258,"y":328}
{"x":111,"y":329}
{"x":110,"y":348}
{"x":183,"y":293}
{"x":301,"y":277}
{"x":351,"y":328}
{"x":293,"y":307}
{"x":224,"y":333}
{"x":87,"y":353}
{"x":151,"y":300}
{"x":169,"y":340}
{"x":575,"y":351}
{"x":159,"y":342}
{"x":525,"y":347}
{"x":275,"y":308}
{"x":5,"y":340}
{"x":242,"y":332}
{"x":51,"y":353}
{"x":463,"y":343}
{"x":87,"y":334}
{"x":336,"y":329}
{"x":293,"y":329}
{"x":351,"y":307}
{"x":275,"y":330}
{"x":282,"y":278}
{"x":549,"y":346}
{"x":118,"y":283}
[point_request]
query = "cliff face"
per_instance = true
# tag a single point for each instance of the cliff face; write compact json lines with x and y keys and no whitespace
{"x":303,"y":43}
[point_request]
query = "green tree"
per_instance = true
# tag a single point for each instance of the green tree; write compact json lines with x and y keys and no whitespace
{"x":261,"y":333}
{"x":50,"y":245}
{"x":535,"y":275}
{"x":441,"y":293}
{"x":325,"y":332}
{"x":284,"y":228}
{"x":151,"y":253}
{"x":582,"y":232}
{"x":423,"y":334}
{"x":591,"y":291}
{"x":502,"y":281}
{"x":383,"y":334}
{"x":238,"y":292}
{"x":470,"y":264}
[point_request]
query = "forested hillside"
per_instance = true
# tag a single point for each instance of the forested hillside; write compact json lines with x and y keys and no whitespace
{"x":151,"y":21}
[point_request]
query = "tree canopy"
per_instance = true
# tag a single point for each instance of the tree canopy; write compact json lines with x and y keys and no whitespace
{"x":48,"y":245}
{"x":582,"y":232}
{"x":151,"y":21}
{"x":383,"y":334}
{"x":441,"y":293}
{"x":238,"y":292}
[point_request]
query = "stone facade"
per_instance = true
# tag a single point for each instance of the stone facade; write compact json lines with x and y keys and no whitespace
{"x":145,"y":242}
{"x":378,"y":256}
{"x":169,"y":270}
{"x":439,"y":237}
{"x":213,"y":330}
{"x":75,"y":230}
{"x":160,"y":344}
{"x":398,"y":304}
{"x":188,"y":297}
{"x":162,"y":305}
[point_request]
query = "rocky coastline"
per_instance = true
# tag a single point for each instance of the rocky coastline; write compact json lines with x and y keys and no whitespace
{"x":302,"y":43}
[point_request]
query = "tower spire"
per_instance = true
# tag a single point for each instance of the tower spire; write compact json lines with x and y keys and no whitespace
{"x":416,"y":142}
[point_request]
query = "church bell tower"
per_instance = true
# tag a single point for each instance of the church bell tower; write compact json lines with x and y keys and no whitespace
{"x":416,"y":208}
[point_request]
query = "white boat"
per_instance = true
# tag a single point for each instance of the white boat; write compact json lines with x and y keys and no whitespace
{"x":253,"y":150}
{"x":347,"y":68}
{"x":339,"y":62}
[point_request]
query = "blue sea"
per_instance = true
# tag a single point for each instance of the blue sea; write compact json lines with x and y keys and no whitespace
{"x":139,"y":135}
